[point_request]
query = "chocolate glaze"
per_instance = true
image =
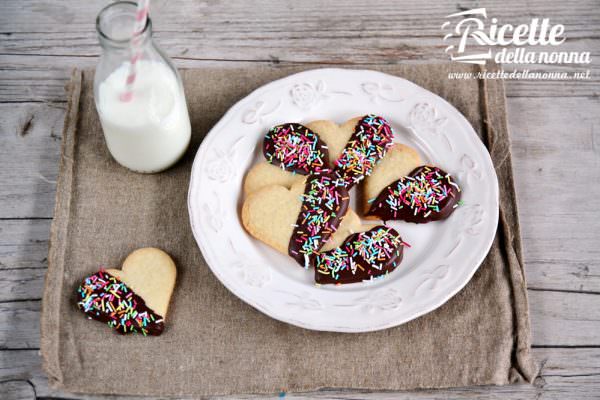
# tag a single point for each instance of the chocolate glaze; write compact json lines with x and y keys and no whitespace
{"x":362,"y":256}
{"x":396,"y":203}
{"x":324,"y":204}
{"x":296,"y":148}
{"x":105,"y":298}
{"x":368,"y":144}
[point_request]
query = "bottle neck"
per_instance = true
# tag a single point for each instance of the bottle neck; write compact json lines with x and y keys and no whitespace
{"x":115,"y":23}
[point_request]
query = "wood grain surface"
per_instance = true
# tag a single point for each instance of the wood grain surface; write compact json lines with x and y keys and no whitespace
{"x":555,"y":141}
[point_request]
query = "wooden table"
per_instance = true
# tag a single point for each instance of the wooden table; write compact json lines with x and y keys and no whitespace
{"x":555,"y":129}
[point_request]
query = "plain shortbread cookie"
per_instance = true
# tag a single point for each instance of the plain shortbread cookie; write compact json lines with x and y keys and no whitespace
{"x":150,"y":273}
{"x":399,"y":162}
{"x":270,"y":213}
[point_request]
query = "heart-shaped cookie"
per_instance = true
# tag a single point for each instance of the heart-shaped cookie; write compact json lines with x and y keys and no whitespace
{"x":426,"y":194}
{"x":300,"y":220}
{"x":265,"y":174}
{"x":353,"y":149}
{"x":399,"y":162}
{"x":362,"y":256}
{"x":366,"y":147}
{"x":134,"y":299}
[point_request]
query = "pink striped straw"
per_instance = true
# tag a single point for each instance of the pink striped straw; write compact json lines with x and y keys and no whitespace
{"x":141,"y":16}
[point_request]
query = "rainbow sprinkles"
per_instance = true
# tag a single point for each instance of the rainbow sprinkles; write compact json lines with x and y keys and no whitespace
{"x":295,"y":148}
{"x":324,"y":204}
{"x":363,"y":256}
{"x":427,"y":194}
{"x":371,"y":139}
{"x":105,"y":298}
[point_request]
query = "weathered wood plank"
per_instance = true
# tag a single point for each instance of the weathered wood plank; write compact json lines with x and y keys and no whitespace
{"x":564,"y":318}
{"x":22,"y":365}
{"x":17,"y":390}
{"x":566,"y":372}
{"x":556,"y":158}
{"x":29,"y":153}
{"x":306,"y":46}
{"x":289,"y":17}
{"x":24,"y":243}
{"x":565,"y":361}
{"x":20,"y":325}
{"x":21,"y":284}
{"x":27,"y":79}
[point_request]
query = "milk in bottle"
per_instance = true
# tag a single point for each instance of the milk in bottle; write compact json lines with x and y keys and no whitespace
{"x":150,"y":130}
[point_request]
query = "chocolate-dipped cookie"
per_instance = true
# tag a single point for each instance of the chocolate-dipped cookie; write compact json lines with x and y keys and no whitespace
{"x":295,"y":148}
{"x":366,"y":147}
{"x":426,"y":194}
{"x":363,"y":256}
{"x":324,"y":203}
{"x":299,"y":221}
{"x":292,"y":150}
{"x":134,"y":299}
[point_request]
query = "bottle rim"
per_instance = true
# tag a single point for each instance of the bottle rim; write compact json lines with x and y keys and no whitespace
{"x":125,"y":42}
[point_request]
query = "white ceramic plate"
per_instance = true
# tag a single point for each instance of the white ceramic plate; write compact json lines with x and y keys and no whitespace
{"x":444,"y":255}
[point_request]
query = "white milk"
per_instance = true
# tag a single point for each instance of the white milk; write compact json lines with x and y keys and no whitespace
{"x":152,"y":131}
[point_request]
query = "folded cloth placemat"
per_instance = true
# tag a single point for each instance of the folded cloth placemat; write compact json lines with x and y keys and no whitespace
{"x":216,"y":344}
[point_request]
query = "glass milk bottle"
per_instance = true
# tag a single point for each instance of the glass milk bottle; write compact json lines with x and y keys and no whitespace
{"x":148,"y":130}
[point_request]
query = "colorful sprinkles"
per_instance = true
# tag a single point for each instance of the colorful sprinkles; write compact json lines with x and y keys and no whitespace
{"x":369,"y":143}
{"x":428,"y":193}
{"x":296,"y":148}
{"x":363,"y":256}
{"x":324,"y":203}
{"x":105,"y":298}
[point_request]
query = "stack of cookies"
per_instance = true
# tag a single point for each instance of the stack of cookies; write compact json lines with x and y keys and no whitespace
{"x":297,"y":200}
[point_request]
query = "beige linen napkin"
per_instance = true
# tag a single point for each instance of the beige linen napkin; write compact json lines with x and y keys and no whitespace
{"x":215,"y":343}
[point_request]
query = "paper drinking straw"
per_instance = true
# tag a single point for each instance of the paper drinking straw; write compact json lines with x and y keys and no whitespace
{"x":141,"y":16}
